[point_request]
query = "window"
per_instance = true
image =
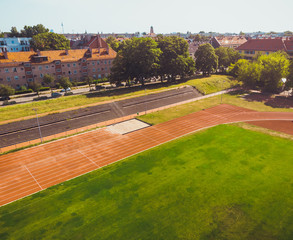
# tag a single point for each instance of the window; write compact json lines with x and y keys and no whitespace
{"x":14,"y":70}
{"x":12,"y":41}
{"x":109,"y":62}
{"x":58,"y":70}
{"x":105,"y":68}
{"x":40,"y":67}
{"x":57,"y":62}
{"x":8,"y":79}
{"x":93,"y":63}
{"x":69,"y":72}
{"x":105,"y":62}
{"x":59,"y":76}
{"x":99,"y":69}
{"x":240,"y":51}
{"x":41,"y":75}
{"x":84,"y":73}
{"x":98,"y":62}
{"x":75,"y":72}
{"x":6,"y":70}
{"x":21,"y":69}
{"x":30,"y":79}
{"x":106,"y":74}
{"x":94,"y":70}
{"x":99,"y":76}
{"x":94,"y":76}
{"x":27,"y":64}
{"x":68,"y":65}
{"x":74,"y":65}
{"x":47,"y":67}
{"x":83,"y":60}
{"x":28,"y":73}
{"x":23,"y":76}
{"x":16,"y":77}
{"x":267,"y":53}
{"x":84,"y":67}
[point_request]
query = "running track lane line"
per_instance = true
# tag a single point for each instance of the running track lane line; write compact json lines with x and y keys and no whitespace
{"x":88,"y":158}
{"x":33,"y":177}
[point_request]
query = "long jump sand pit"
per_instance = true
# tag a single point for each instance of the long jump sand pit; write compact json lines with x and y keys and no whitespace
{"x":127,"y":126}
{"x":31,"y":170}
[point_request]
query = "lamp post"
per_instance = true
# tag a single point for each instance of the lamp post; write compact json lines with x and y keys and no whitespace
{"x":222,"y":90}
{"x":38,"y":125}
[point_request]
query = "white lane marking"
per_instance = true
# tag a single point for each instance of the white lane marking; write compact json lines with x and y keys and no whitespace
{"x":33,"y":176}
{"x":88,"y":158}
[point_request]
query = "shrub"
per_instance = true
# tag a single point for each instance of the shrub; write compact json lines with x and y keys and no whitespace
{"x":44,"y":89}
{"x":68,"y":93}
{"x":24,"y":91}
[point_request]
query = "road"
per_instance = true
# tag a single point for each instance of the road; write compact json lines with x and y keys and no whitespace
{"x":27,"y":130}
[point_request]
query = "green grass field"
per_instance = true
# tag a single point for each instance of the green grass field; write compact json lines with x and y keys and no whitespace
{"x":208,"y":85}
{"x":222,"y":183}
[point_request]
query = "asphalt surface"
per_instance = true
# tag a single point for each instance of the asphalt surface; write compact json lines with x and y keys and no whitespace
{"x":23,"y":131}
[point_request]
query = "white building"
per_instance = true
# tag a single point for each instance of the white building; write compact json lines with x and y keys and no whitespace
{"x":15,"y":44}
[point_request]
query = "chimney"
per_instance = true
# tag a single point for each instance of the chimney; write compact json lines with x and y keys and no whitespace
{"x":66,"y":52}
{"x":5,"y":53}
{"x":39,"y":52}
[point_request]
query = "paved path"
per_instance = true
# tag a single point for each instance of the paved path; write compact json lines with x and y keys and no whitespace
{"x":34,"y":169}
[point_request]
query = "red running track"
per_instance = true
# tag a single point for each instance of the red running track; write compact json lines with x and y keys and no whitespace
{"x":31,"y":170}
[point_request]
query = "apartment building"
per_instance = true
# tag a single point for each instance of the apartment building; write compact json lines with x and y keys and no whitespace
{"x":22,"y":68}
{"x":14,"y":44}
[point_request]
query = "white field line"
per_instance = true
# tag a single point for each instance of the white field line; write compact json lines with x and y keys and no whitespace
{"x":33,"y":177}
{"x":89,"y":159}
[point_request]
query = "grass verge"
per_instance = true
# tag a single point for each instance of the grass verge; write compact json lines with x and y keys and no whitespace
{"x":209,"y":185}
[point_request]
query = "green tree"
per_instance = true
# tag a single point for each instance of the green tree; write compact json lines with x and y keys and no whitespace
{"x":35,"y":86}
{"x":65,"y":83}
{"x":30,"y":31}
{"x":226,"y":57}
{"x":89,"y":81}
{"x":14,"y":32}
{"x":249,"y":73}
{"x":274,"y":67}
{"x":289,"y":82}
{"x":1,"y":34}
{"x":49,"y":81}
{"x":206,"y":59}
{"x":174,"y":59}
{"x":49,"y":41}
{"x":6,"y":91}
{"x":138,"y":59}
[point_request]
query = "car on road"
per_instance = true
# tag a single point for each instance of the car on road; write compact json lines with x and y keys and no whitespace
{"x":56,"y":94}
{"x":67,"y":90}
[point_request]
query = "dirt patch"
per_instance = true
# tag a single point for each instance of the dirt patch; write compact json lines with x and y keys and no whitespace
{"x":275,"y":101}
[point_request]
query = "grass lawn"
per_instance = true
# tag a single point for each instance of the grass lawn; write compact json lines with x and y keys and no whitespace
{"x":222,"y":183}
{"x":184,"y":109}
{"x":63,"y":103}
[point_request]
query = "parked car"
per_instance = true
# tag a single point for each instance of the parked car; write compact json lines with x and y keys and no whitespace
{"x":56,"y":94}
{"x":67,"y":90}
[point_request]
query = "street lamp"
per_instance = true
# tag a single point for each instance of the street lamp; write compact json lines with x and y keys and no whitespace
{"x":222,"y":90}
{"x":38,"y":125}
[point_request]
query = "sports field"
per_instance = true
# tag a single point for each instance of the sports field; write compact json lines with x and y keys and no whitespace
{"x":221,"y":183}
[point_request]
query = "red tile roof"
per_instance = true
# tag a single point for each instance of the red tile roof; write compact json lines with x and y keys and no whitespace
{"x":72,"y":56}
{"x":264,"y":45}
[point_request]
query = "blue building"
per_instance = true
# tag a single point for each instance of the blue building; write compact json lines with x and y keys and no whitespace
{"x":15,"y":44}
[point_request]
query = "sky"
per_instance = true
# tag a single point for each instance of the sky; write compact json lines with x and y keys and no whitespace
{"x":166,"y":16}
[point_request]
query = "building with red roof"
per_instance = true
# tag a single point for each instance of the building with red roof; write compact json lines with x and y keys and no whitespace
{"x":266,"y":46}
{"x":228,"y":41}
{"x":22,"y":68}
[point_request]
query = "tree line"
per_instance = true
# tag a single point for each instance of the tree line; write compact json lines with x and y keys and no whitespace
{"x":139,"y":59}
{"x":42,"y":39}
